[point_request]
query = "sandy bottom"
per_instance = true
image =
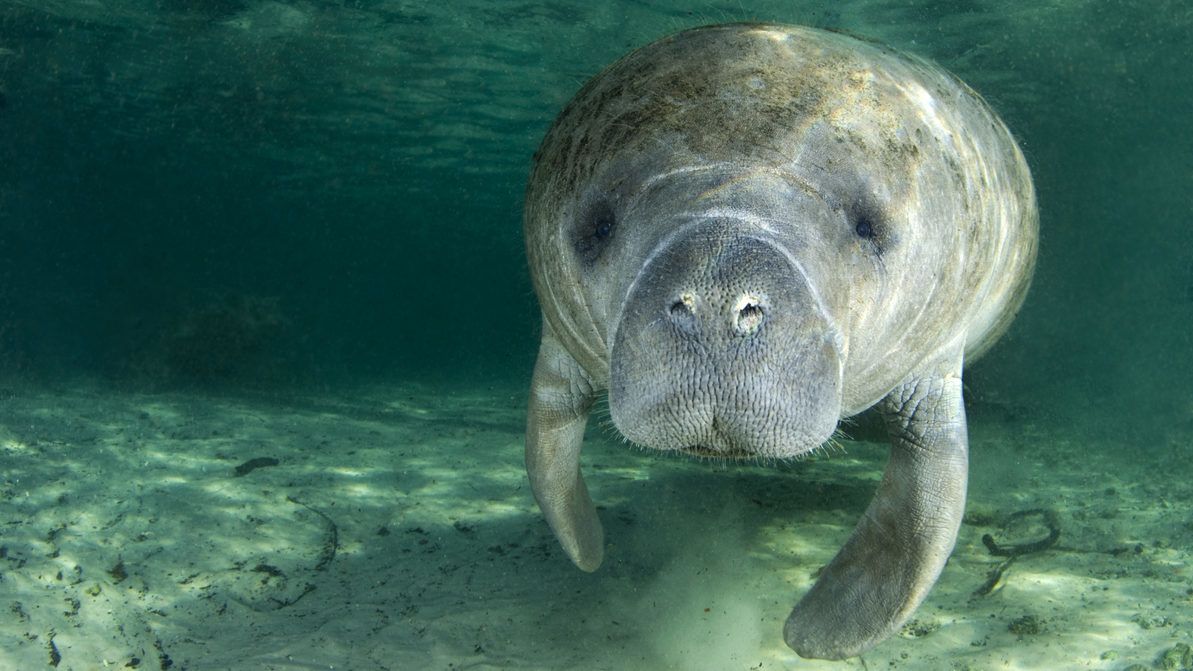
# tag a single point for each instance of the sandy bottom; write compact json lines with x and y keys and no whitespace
{"x":392,"y":528}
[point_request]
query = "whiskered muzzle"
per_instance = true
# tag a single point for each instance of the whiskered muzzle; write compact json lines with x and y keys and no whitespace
{"x":723,"y":349}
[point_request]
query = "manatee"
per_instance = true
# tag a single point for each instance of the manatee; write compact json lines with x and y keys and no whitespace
{"x":744,"y":234}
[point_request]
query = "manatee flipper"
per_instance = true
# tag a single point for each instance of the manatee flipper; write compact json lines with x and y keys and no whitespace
{"x":900,"y":546}
{"x":561,"y":396}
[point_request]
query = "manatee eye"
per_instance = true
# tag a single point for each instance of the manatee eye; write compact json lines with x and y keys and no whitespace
{"x":602,"y":224}
{"x":593,"y":229}
{"x":870,"y":224}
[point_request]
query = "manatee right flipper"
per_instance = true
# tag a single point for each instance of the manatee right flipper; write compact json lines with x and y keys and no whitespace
{"x":901,"y":544}
{"x":561,"y":396}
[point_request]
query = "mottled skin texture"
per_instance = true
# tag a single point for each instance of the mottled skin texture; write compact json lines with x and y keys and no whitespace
{"x":745,"y":233}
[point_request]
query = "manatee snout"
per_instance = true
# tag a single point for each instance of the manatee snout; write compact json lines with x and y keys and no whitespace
{"x":724,"y":349}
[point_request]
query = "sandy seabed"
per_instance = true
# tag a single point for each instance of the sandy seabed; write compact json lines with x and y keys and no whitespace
{"x":392,"y":528}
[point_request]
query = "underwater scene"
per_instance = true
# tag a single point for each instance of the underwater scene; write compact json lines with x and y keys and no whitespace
{"x":307,"y":308}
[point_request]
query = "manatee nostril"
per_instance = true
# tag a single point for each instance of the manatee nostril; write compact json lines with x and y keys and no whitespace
{"x":683,"y":312}
{"x":748,"y":315}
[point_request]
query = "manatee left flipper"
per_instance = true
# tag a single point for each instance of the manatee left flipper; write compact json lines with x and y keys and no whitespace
{"x":901,"y":544}
{"x":561,"y":396}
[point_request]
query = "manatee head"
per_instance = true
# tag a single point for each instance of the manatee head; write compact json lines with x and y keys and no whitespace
{"x":721,"y":293}
{"x":724,"y":349}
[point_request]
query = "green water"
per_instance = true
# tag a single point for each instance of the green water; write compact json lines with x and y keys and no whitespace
{"x":289,"y":195}
{"x":361,"y":165}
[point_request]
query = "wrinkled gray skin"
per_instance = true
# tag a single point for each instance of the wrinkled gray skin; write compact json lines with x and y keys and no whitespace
{"x":748,"y":232}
